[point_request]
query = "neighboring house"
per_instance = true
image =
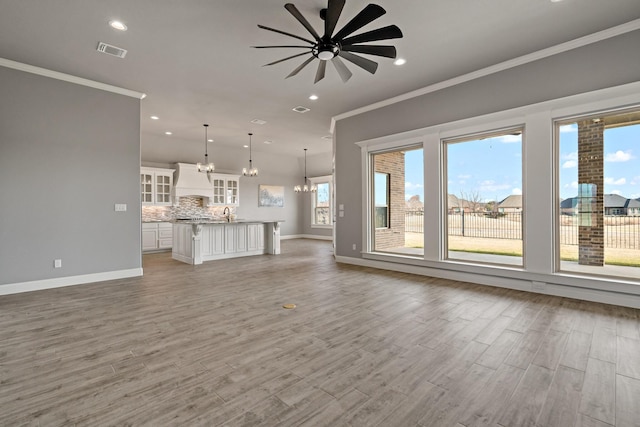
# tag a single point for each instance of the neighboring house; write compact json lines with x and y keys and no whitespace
{"x":614,"y":205}
{"x":512,"y":203}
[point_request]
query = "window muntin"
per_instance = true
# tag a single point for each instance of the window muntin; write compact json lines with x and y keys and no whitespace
{"x":484,"y":202}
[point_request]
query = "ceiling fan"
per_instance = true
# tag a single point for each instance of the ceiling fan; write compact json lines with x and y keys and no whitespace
{"x":332,"y":47}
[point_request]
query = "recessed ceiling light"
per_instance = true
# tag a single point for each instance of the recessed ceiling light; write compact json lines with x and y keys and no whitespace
{"x":245,"y":146}
{"x":556,"y":1}
{"x":168,"y":133}
{"x":118,"y":25}
{"x":400,"y":61}
{"x":155,"y":118}
{"x":313,"y":97}
{"x":209,"y":140}
{"x":268,"y":142}
{"x":258,"y":121}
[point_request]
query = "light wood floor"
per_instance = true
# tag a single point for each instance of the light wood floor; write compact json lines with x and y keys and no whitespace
{"x":211,"y":345}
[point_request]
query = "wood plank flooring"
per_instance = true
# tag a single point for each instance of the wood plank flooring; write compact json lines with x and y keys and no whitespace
{"x":211,"y":345}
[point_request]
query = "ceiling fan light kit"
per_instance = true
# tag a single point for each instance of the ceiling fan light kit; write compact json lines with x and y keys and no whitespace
{"x":335,"y":47}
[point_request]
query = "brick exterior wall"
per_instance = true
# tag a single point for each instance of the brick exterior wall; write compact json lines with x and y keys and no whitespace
{"x":392,"y":164}
{"x":591,"y":171}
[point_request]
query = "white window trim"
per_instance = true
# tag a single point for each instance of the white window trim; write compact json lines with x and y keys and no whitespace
{"x":538,"y":121}
{"x":321,"y":180}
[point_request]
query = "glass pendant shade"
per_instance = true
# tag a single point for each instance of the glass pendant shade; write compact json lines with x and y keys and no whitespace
{"x":305,"y":188}
{"x":207,"y":166}
{"x":251,"y":171}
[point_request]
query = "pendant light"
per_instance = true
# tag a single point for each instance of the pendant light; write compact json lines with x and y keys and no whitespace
{"x":206,"y":167}
{"x":305,"y":188}
{"x":252,"y":171}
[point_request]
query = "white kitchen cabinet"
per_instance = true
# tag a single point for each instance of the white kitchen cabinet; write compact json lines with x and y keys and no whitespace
{"x":226,"y":189}
{"x":255,"y":237}
{"x":157,"y":236}
{"x":155,"y":186}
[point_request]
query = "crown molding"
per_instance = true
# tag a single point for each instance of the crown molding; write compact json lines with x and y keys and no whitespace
{"x":69,"y":78}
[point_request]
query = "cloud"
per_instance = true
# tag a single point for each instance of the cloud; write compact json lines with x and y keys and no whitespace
{"x":635,"y":180}
{"x":612,"y":181}
{"x":491,"y":186}
{"x":569,"y":164}
{"x":570,"y":156}
{"x":516,"y":191}
{"x":464,"y":176}
{"x":574,"y":184}
{"x":619,"y":156}
{"x":616,"y":192}
{"x":412,"y":186}
{"x":569,"y":128}
{"x":510,"y":139}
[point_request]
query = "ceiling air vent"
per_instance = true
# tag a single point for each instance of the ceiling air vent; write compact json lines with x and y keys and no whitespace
{"x":258,"y":121}
{"x":111,"y":50}
{"x":301,"y":109}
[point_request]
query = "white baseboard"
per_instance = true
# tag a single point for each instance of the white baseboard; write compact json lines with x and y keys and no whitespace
{"x":306,"y":236}
{"x":58,"y":282}
{"x":586,"y":294}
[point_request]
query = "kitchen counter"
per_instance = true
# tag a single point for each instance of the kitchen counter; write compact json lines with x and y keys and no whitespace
{"x":199,"y":240}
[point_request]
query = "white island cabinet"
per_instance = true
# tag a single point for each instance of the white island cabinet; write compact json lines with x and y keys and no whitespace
{"x":197,"y":241}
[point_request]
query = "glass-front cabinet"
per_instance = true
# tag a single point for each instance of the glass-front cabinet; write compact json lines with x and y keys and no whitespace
{"x":226,"y":189}
{"x":155,"y":186}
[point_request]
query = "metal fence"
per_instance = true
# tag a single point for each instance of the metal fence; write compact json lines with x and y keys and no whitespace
{"x":620,"y":232}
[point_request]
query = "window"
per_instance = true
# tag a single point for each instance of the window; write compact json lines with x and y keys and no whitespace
{"x":381,"y":195}
{"x":397,"y":195}
{"x":484,"y":212}
{"x":321,"y":212}
{"x":597,"y":170}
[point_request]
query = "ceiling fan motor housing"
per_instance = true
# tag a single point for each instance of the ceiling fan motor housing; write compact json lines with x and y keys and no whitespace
{"x":326,"y":50}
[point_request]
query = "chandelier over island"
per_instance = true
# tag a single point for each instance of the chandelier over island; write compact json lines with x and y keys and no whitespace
{"x":251,"y":171}
{"x":206,"y":167}
{"x":305,"y":188}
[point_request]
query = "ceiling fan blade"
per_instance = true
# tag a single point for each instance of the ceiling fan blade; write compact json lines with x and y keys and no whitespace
{"x":378,"y":50}
{"x":366,"y":15}
{"x":300,"y":67}
{"x":384,"y":33}
{"x":286,"y":59}
{"x":342,"y":69}
{"x":296,"y":14}
{"x":271,"y":47}
{"x":361,"y":62}
{"x":322,"y":66}
{"x":334,"y":9}
{"x":285,"y":33}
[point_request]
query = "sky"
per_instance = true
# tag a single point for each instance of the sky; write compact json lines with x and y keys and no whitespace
{"x":492,"y":167}
{"x":621,"y":161}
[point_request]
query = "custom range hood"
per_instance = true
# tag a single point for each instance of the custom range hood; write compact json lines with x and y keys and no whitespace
{"x":189,"y":182}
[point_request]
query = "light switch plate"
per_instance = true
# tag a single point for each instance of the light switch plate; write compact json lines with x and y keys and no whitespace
{"x":121,"y":207}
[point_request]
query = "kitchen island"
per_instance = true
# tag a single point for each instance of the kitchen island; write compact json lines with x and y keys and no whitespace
{"x":196,"y":241}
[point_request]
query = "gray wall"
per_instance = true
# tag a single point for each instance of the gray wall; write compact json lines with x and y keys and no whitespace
{"x":600,"y":65}
{"x":68,"y":153}
{"x":273,"y":170}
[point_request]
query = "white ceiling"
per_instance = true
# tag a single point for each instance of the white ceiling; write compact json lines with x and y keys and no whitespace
{"x":193,"y":58}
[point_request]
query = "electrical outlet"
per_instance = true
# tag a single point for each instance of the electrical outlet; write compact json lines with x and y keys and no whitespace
{"x":57,"y":263}
{"x":354,"y":247}
{"x":121,"y":207}
{"x":341,"y":214}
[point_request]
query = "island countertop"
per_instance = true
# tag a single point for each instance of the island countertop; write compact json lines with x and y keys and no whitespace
{"x":224,"y":221}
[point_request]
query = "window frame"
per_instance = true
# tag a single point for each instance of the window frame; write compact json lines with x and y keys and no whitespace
{"x":325,"y":179}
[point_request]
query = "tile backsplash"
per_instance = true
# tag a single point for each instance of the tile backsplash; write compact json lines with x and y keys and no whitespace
{"x":187,"y":207}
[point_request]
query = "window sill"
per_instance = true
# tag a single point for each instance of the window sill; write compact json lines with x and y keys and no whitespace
{"x":326,"y":227}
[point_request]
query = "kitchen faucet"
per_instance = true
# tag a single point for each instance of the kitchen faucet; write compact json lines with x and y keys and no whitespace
{"x":227,"y":213}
